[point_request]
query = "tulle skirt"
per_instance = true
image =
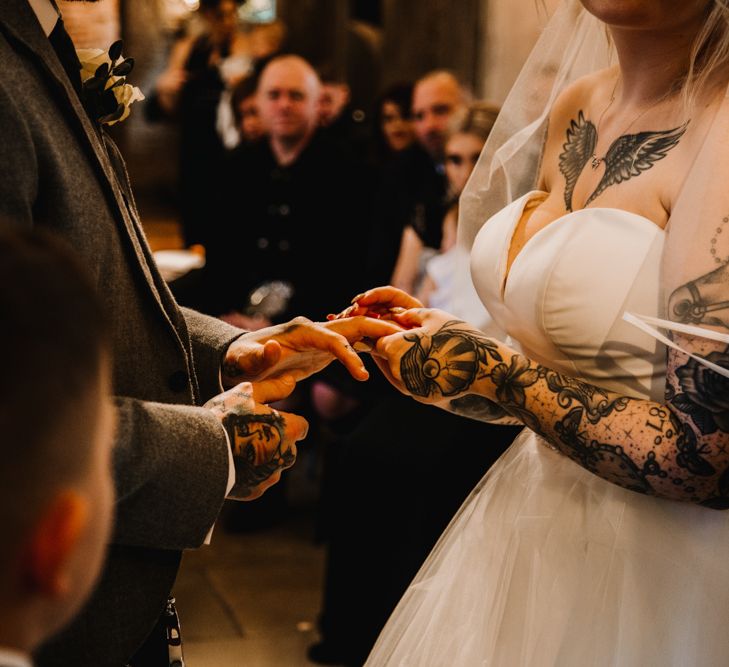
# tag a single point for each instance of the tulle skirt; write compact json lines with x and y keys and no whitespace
{"x":547,"y":564}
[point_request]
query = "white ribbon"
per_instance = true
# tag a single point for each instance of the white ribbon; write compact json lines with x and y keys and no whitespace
{"x":644,"y":322}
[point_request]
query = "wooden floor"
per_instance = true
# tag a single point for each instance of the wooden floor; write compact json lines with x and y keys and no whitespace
{"x":252,"y":600}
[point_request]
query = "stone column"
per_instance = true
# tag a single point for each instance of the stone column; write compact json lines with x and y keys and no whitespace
{"x":316,"y":30}
{"x":424,"y":35}
{"x":512,"y":28}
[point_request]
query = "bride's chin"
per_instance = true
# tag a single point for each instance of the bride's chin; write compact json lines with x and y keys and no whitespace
{"x":647,"y":14}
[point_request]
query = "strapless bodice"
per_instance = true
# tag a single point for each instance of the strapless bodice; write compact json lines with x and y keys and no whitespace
{"x":566,"y":291}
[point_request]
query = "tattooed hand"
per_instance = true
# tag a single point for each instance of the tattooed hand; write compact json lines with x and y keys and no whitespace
{"x":300,"y":348}
{"x":263,"y":440}
{"x":437,"y":358}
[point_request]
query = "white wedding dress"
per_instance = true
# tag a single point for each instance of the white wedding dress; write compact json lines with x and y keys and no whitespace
{"x":546,"y":563}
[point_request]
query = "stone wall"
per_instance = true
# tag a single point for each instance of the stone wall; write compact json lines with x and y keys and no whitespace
{"x":420,"y":36}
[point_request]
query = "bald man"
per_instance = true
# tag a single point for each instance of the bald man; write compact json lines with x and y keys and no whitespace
{"x":288,"y":95}
{"x":286,"y":203}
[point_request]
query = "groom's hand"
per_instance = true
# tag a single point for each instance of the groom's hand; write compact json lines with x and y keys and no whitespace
{"x":300,"y":348}
{"x":262,"y":440}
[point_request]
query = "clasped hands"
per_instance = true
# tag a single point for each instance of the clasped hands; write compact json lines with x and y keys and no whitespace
{"x":263,"y":367}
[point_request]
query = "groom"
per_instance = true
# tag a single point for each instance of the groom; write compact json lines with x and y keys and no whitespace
{"x":173,"y":463}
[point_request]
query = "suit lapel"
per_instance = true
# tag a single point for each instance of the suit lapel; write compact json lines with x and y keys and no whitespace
{"x":21,"y":26}
{"x":19,"y":23}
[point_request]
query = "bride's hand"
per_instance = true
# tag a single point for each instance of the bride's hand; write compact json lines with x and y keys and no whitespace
{"x":436,"y":356}
{"x":380,"y":303}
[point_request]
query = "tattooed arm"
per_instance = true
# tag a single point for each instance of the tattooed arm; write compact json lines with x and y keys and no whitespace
{"x":677,"y":449}
{"x":262,"y":440}
{"x":482,"y":409}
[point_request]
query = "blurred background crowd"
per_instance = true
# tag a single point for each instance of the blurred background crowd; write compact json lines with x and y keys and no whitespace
{"x":288,"y":155}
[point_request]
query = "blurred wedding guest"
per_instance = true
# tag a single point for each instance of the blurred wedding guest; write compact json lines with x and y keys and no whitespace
{"x":339,"y":403}
{"x":57,"y":423}
{"x":284,"y":205}
{"x":410,"y":205}
{"x":266,"y":40}
{"x":468,"y":131}
{"x":244,"y":104}
{"x":285,"y":202}
{"x":333,"y":99}
{"x":342,"y":121}
{"x":201,"y":66}
{"x":392,"y":123}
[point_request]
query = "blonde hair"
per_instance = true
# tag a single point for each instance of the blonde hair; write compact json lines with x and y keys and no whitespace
{"x":710,"y":51}
{"x":477,"y":119}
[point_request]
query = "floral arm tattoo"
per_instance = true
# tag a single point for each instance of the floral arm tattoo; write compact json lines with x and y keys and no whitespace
{"x":257,"y":439}
{"x":676,"y":450}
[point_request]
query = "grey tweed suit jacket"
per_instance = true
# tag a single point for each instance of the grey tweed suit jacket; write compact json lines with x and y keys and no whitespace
{"x":60,"y":171}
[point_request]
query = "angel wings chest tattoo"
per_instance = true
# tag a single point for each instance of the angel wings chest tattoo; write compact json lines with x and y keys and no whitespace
{"x":628,"y":156}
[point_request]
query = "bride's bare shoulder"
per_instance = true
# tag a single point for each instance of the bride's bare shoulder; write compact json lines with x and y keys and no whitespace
{"x":581,"y":94}
{"x":577,"y":100}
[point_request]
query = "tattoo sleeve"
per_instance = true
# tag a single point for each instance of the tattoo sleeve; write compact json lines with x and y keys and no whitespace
{"x":674,"y":450}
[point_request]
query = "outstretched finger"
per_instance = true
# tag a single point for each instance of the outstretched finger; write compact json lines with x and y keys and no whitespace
{"x":339,"y":347}
{"x":355,"y":329}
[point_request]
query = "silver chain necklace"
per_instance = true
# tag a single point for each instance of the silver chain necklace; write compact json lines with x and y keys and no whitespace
{"x":597,"y":161}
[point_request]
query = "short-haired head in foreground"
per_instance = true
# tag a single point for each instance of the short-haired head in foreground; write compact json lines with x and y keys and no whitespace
{"x":56,"y":428}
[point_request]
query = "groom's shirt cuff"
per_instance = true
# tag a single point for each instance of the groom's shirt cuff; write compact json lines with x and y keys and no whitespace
{"x":231,"y":467}
{"x":231,"y":482}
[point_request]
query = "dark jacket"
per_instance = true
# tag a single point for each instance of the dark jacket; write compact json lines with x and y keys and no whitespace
{"x":302,"y":223}
{"x":62,"y":172}
{"x":412,"y":192}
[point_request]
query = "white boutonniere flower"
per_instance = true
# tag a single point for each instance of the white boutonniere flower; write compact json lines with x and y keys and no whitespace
{"x":106,"y":94}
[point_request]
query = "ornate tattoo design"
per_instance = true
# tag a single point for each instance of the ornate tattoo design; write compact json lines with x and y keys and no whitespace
{"x":608,"y":461}
{"x":576,"y":152}
{"x":628,"y":156}
{"x":595,"y":402}
{"x":447,"y":363}
{"x":565,"y":411}
{"x":477,"y":407}
{"x":256,"y":441}
{"x":703,"y":301}
{"x":704,"y":394}
{"x":701,"y":396}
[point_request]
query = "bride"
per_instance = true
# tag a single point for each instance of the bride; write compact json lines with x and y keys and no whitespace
{"x":597,"y":538}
